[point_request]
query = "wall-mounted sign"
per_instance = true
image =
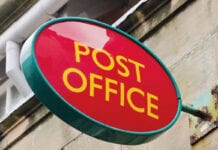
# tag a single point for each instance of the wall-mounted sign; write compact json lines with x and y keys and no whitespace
{"x":100,"y":80}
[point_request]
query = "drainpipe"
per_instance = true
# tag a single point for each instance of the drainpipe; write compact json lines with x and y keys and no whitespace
{"x":33,"y":18}
{"x":124,"y":17}
{"x":13,"y":70}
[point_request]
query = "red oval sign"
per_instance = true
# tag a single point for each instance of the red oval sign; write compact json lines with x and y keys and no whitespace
{"x":104,"y":75}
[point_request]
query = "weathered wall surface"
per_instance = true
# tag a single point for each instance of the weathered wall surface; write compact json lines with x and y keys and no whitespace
{"x":188,"y":44}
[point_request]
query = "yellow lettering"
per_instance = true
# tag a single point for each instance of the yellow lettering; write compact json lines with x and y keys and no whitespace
{"x":94,"y":57}
{"x":78,"y":51}
{"x":150,"y":106}
{"x":119,"y":60}
{"x":137,"y":70}
{"x":122,"y":94}
{"x":132,"y":105}
{"x":69,"y":86}
{"x":108,"y":89}
{"x":94,"y":85}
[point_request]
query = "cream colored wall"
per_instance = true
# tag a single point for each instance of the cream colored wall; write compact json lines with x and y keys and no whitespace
{"x":188,"y":45}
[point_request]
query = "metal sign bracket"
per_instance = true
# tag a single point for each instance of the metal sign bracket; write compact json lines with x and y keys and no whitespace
{"x":203,"y":116}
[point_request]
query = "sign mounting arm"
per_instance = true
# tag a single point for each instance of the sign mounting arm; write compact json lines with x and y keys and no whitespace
{"x":196,"y":112}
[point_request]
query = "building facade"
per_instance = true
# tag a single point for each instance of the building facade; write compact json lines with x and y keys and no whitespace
{"x":182,"y":33}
